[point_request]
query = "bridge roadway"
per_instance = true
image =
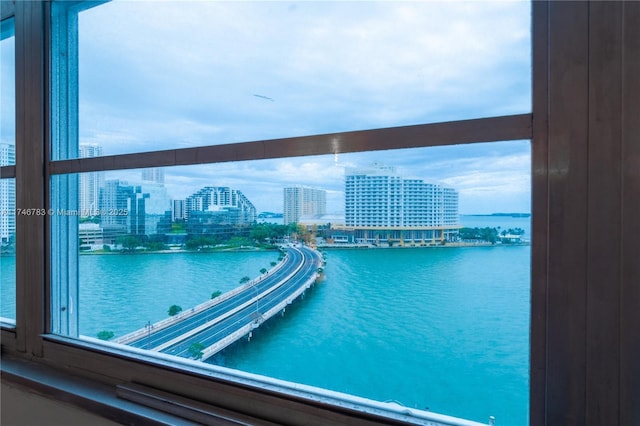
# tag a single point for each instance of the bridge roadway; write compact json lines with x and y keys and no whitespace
{"x":217,"y":325}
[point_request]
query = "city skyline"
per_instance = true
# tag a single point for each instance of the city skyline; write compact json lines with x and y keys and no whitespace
{"x":503,"y":168}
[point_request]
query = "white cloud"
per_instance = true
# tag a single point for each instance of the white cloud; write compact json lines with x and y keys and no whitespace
{"x":7,"y":91}
{"x":160,"y":75}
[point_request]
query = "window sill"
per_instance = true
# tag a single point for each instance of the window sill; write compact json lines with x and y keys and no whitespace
{"x":134,"y":388}
{"x":89,"y":395}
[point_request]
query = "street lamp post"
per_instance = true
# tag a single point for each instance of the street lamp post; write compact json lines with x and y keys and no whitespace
{"x":257,"y":299}
{"x":257,"y":314}
{"x":148,"y":327}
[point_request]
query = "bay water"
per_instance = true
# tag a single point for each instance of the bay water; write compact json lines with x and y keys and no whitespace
{"x":443,"y":329}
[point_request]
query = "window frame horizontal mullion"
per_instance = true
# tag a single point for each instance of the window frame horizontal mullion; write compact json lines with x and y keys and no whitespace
{"x":479,"y":130}
{"x":7,"y":172}
{"x":7,"y":10}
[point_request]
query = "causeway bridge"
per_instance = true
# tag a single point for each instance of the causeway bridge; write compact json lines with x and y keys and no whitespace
{"x":206,"y":329}
{"x":219,"y":322}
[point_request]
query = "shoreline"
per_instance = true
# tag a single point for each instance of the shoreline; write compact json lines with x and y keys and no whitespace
{"x":448,"y":245}
{"x":172,"y":251}
{"x":323,"y":246}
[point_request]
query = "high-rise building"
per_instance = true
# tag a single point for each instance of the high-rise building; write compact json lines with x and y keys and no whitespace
{"x":90,"y":183}
{"x":158,"y":201}
{"x":377,"y":199}
{"x":7,"y":154}
{"x":229,"y":204}
{"x":123,"y":208}
{"x":177,"y":210}
{"x":157,"y":204}
{"x":7,"y":196}
{"x":155,"y":174}
{"x":302,"y":201}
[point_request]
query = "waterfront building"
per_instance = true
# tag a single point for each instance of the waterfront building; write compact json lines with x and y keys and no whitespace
{"x":303,"y":201}
{"x":219,"y":211}
{"x":157,"y":205}
{"x":90,"y":235}
{"x":7,"y":196}
{"x":89,"y":183}
{"x":219,"y":199}
{"x":122,"y":208}
{"x":158,"y":201}
{"x":133,"y":208}
{"x":383,"y":207}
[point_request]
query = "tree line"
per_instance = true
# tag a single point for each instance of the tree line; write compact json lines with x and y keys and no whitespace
{"x":487,"y":234}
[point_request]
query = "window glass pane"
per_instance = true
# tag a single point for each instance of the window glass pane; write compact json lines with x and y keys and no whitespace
{"x":7,"y":92}
{"x":225,"y":72}
{"x":423,"y":297}
{"x":7,"y":186}
{"x":7,"y":250}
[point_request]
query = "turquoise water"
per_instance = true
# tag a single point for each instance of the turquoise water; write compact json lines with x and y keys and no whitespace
{"x":445,"y":329}
{"x":441,"y":328}
{"x":121,"y":293}
{"x":8,"y":287}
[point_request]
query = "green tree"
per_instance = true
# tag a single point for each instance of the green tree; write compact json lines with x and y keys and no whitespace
{"x":240,"y":242}
{"x":128,"y":242}
{"x":193,"y":244}
{"x":195,"y":350}
{"x":259,"y":232}
{"x":244,"y":280}
{"x":197,"y":243}
{"x":105,"y":335}
{"x":263,"y":270}
{"x":273,"y":264}
{"x":174,"y":309}
{"x":489,"y":234}
{"x":479,"y":234}
{"x":517,"y":231}
{"x":267,"y":232}
{"x":216,"y":294}
{"x":155,"y":242}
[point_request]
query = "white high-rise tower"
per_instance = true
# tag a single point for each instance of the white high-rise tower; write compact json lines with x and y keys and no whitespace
{"x":300,"y":201}
{"x":7,"y":195}
{"x":90,"y":183}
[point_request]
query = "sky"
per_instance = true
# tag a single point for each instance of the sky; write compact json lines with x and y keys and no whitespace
{"x":7,"y":83}
{"x":167,"y":74}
